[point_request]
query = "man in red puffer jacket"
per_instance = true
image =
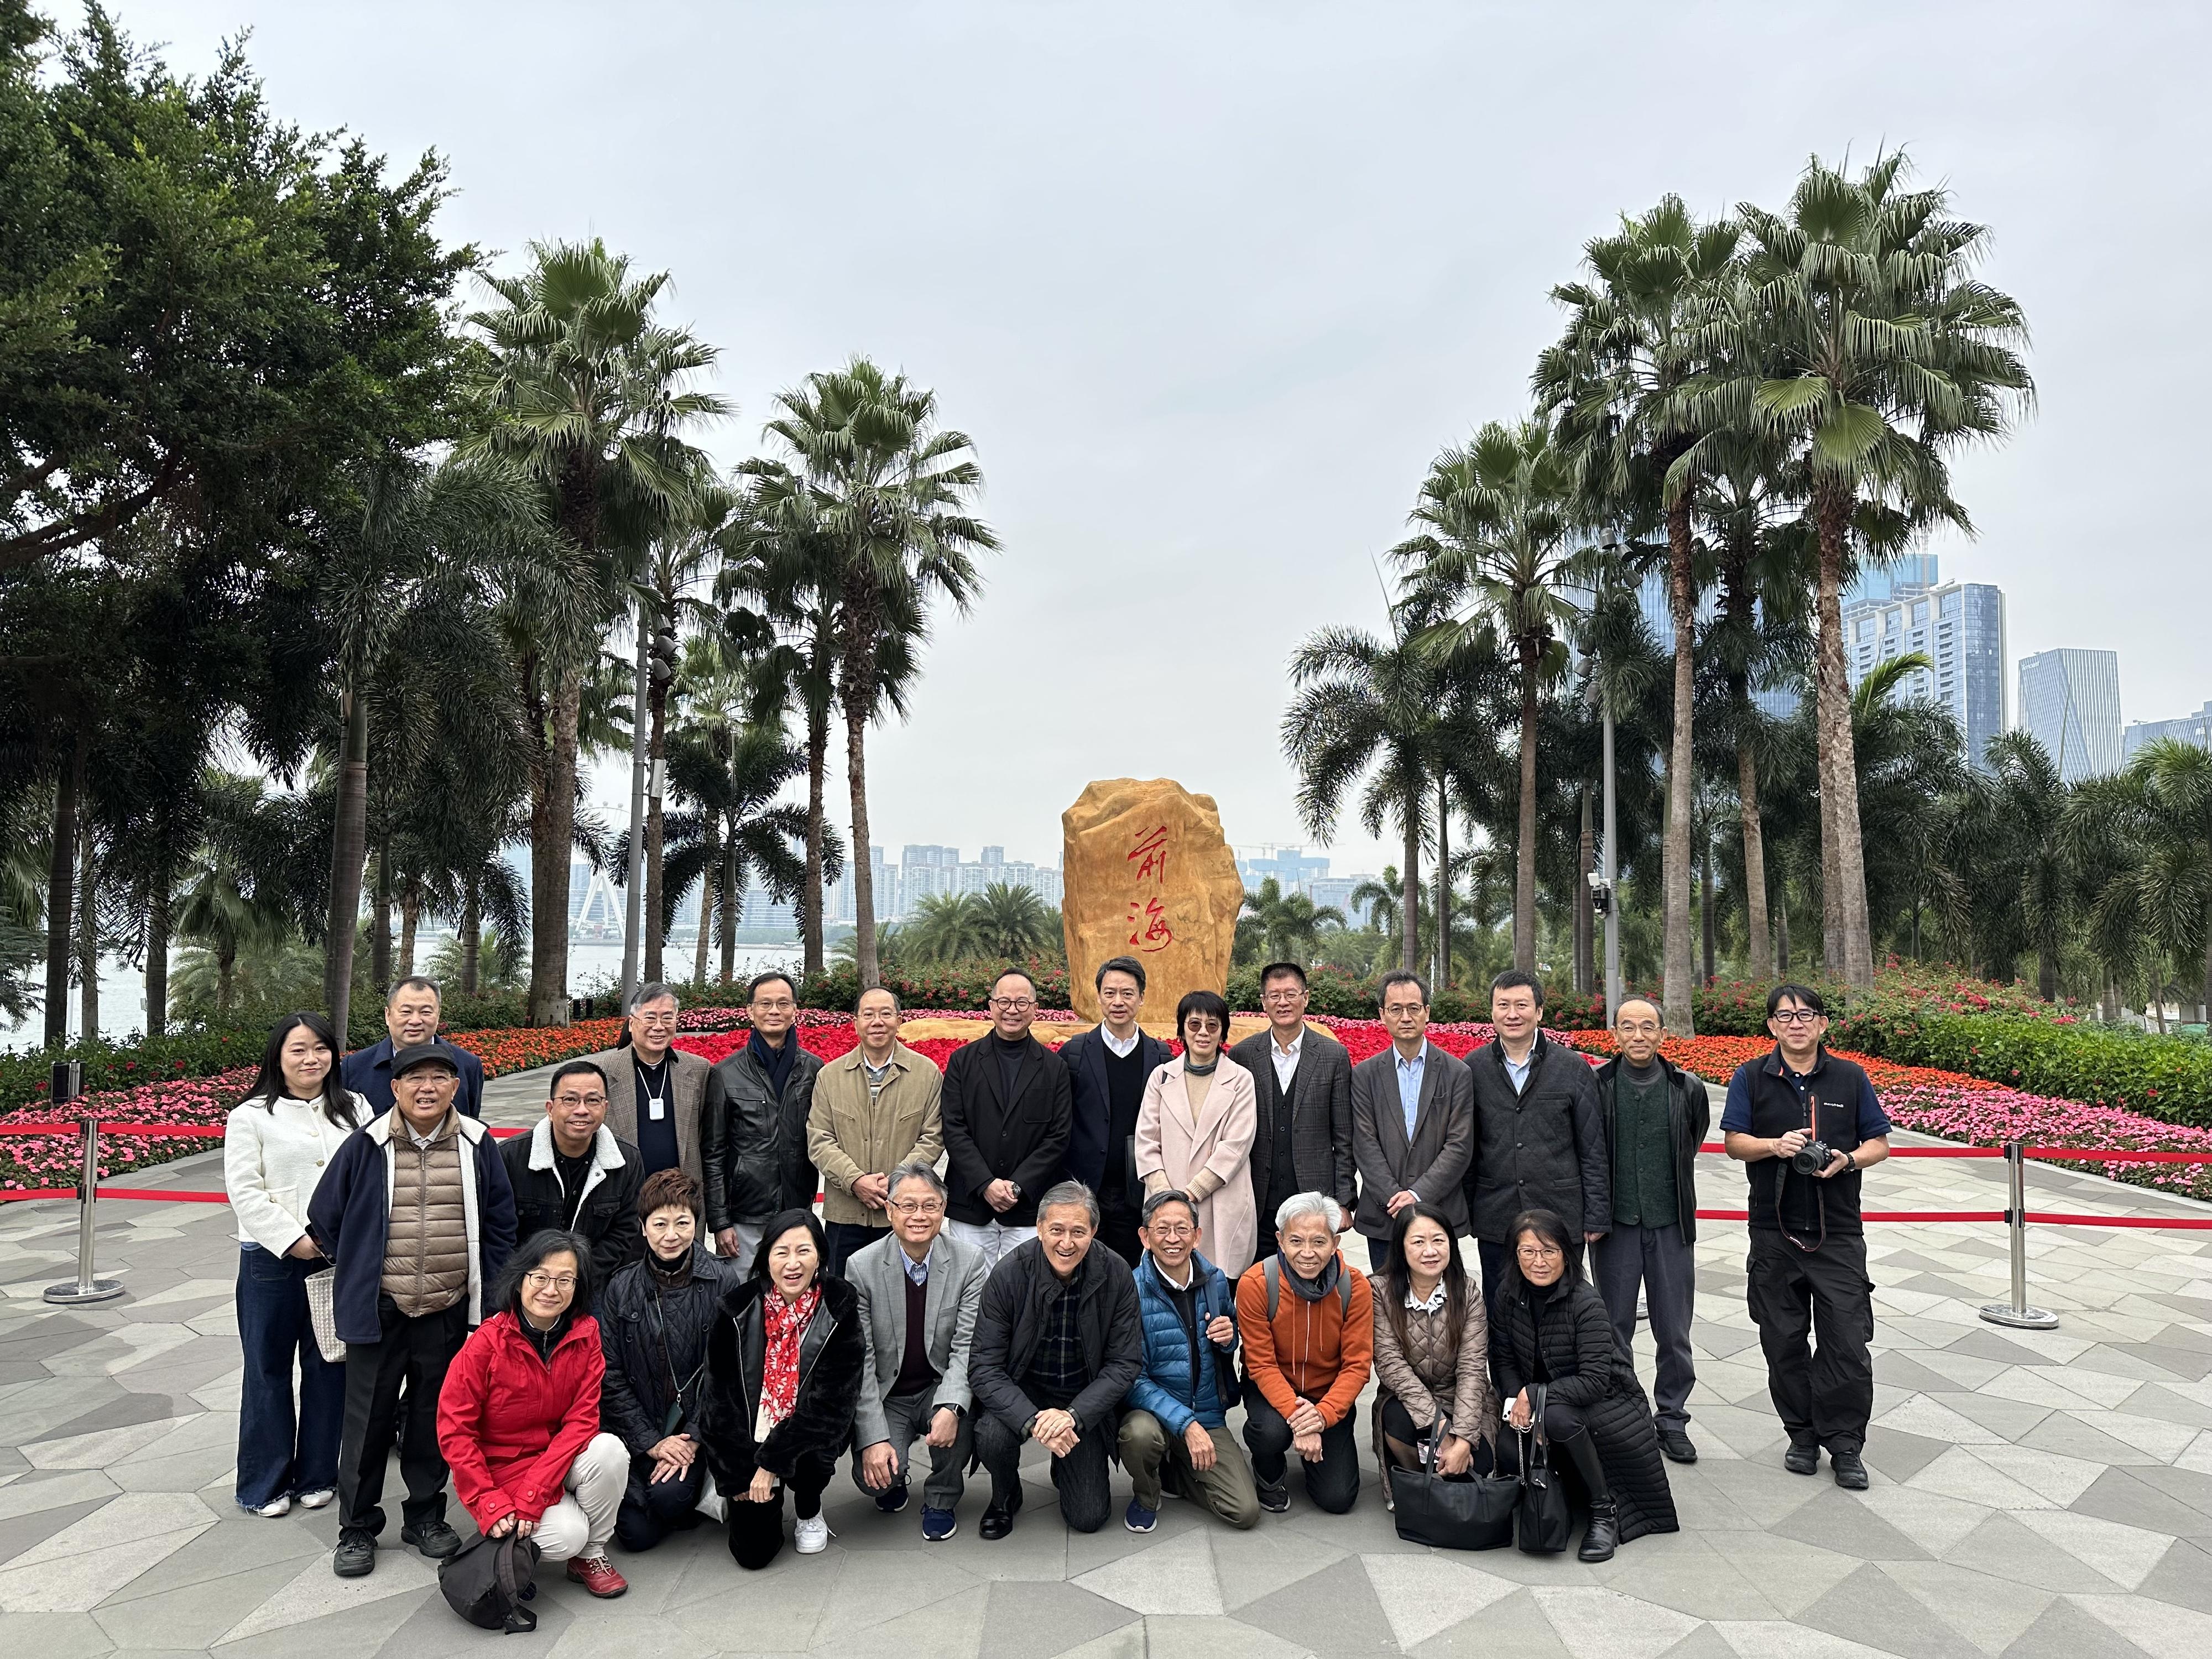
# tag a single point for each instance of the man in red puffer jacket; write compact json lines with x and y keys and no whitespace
{"x":519,"y":1416}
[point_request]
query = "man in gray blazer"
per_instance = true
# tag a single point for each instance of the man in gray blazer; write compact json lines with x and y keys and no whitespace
{"x":1413,"y":1120}
{"x":654,"y":1089}
{"x":919,"y":1290}
{"x":1303,"y":1077}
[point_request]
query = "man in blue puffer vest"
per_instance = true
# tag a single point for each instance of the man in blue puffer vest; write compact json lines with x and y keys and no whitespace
{"x":1175,"y":1426}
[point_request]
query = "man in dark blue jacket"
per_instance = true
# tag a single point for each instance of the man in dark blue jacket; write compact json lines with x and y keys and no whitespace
{"x":417,"y":1218}
{"x":1107,"y":1068}
{"x":412,"y":1013}
{"x":1175,"y":1422}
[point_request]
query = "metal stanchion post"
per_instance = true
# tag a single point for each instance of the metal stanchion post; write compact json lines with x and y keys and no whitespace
{"x":2018,"y":1315}
{"x":68,"y":1085}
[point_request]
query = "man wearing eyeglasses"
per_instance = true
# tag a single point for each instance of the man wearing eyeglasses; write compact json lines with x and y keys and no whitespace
{"x":875,"y":1108}
{"x":1807,"y":1271}
{"x":753,"y":1128}
{"x":1655,"y":1116}
{"x":920,"y":1291}
{"x":571,"y":1175}
{"x":1107,"y":1067}
{"x":655,"y":1091}
{"x":1007,"y":1111}
{"x":1305,"y":1078}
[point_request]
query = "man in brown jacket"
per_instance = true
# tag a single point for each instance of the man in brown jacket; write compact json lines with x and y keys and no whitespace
{"x":655,"y":1090}
{"x":874,"y":1109}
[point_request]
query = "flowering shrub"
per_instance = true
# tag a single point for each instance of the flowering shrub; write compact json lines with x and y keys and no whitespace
{"x":2165,"y":1078}
{"x":955,"y":985}
{"x":26,"y":1079}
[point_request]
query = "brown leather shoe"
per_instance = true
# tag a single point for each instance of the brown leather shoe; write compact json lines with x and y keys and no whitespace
{"x":597,"y":1575}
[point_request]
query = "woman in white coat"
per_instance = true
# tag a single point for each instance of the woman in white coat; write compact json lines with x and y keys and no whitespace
{"x":1194,"y":1132}
{"x":275,"y":1145}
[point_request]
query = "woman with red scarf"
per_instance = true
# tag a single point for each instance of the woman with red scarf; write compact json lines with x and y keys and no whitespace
{"x":783,"y":1376}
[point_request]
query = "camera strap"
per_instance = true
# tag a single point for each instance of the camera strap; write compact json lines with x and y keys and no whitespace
{"x":1809,"y":1247}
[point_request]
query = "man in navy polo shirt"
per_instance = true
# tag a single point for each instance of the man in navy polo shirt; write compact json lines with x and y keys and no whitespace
{"x":1807,"y":1265}
{"x":411,"y":1014}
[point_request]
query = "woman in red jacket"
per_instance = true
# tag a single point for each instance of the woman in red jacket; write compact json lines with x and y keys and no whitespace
{"x":519,"y":1416}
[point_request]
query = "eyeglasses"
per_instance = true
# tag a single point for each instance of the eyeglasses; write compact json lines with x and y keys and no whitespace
{"x":1012,"y":1004}
{"x":654,"y":1021}
{"x":579,"y":1100}
{"x":1639,"y":1028}
{"x":539,"y":1281}
{"x":1540,"y":1252}
{"x":1292,"y":995}
{"x":918,"y":1205}
{"x":1170,"y":1230}
{"x":1796,"y":1016}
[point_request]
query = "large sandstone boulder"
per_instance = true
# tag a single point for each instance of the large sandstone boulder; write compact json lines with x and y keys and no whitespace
{"x":1147,"y":873}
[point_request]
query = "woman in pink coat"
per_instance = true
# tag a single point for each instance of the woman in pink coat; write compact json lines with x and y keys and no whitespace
{"x":1194,"y":1132}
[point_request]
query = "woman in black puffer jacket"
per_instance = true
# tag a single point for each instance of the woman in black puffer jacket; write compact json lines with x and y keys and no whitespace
{"x":783,"y":1376}
{"x":1551,"y":1329}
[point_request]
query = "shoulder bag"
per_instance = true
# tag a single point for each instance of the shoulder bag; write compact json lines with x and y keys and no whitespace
{"x":1476,"y":1513}
{"x":1542,"y":1524}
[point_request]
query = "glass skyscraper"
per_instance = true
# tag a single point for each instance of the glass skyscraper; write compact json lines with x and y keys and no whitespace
{"x":2070,"y":700}
{"x":1960,"y":627}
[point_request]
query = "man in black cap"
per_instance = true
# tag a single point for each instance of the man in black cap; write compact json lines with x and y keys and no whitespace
{"x":417,"y":1218}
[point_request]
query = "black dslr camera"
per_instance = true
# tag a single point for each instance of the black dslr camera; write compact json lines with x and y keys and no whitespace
{"x":1813,"y":1157}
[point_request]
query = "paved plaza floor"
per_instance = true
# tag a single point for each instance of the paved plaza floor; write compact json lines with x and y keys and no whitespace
{"x":2033,"y":1494}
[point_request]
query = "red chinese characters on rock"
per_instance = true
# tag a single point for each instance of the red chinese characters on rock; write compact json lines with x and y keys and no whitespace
{"x":1147,"y":918}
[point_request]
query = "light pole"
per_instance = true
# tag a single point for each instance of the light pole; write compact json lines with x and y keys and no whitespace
{"x":634,"y":884}
{"x":1610,"y":875}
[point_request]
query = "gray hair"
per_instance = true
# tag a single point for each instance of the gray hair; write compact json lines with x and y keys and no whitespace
{"x":655,"y":992}
{"x":1063,"y":1194}
{"x":914,"y":1169}
{"x":1170,"y":1195}
{"x":896,"y":1006}
{"x":1298,"y":1205}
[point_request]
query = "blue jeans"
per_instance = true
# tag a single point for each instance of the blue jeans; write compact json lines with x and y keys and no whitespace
{"x":282,"y":1452}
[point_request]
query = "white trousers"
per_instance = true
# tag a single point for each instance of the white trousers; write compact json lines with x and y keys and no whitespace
{"x":749,"y":1241}
{"x":993,"y":1238}
{"x":584,"y":1519}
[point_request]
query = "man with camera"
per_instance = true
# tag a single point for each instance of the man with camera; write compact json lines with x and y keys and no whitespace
{"x":1806,"y":1124}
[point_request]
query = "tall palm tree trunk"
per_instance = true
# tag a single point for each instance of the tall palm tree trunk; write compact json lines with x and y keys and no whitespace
{"x":656,"y":765}
{"x":348,"y":854}
{"x":1443,"y":883}
{"x":1707,"y":907}
{"x":732,"y":904}
{"x":1846,"y":900}
{"x":706,"y":923}
{"x":1524,"y":859}
{"x":411,"y":917}
{"x":61,"y":893}
{"x":814,"y":960}
{"x":1755,"y":862}
{"x":1409,"y":891}
{"x":471,"y":940}
{"x":1782,"y":930}
{"x":552,"y":843}
{"x":157,"y":955}
{"x":1585,"y":913}
{"x":87,"y":931}
{"x":864,"y":878}
{"x":1678,"y":966}
{"x":380,"y":927}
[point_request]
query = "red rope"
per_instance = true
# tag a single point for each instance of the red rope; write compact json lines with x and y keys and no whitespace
{"x":2116,"y":1155}
{"x":2050,"y":1218}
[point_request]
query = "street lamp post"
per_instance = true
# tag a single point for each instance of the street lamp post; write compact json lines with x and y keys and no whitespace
{"x":633,"y":885}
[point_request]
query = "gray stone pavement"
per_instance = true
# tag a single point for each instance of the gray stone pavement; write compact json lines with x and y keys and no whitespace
{"x":2034,"y":1493}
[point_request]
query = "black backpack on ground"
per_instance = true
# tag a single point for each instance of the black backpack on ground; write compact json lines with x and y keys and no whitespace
{"x":487,"y":1583}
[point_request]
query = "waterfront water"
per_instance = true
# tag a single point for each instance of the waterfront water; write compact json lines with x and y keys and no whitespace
{"x":593,"y":967}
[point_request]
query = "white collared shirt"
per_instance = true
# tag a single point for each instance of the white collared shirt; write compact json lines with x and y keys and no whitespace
{"x":1435,"y":1303}
{"x":1122,"y":1050}
{"x":1287,"y":1060}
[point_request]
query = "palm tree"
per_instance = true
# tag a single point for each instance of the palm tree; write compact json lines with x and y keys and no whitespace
{"x":1363,"y":708}
{"x":1277,"y":926}
{"x":586,"y":392}
{"x":730,"y":773}
{"x":2172,"y":781}
{"x":1492,"y":559}
{"x":1869,"y":347}
{"x":1613,"y":381}
{"x":1016,"y":924}
{"x":223,"y":905}
{"x":887,"y":491}
{"x":945,"y":928}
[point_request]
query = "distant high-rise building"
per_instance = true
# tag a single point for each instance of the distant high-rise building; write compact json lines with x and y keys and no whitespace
{"x":1960,"y":627}
{"x":1872,"y":585}
{"x":1658,"y":613}
{"x":2070,"y":701}
{"x":1294,"y":869}
{"x":1335,"y":891}
{"x":2195,"y":728}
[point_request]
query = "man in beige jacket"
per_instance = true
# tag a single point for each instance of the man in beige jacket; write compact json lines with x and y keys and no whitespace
{"x":874,"y":1109}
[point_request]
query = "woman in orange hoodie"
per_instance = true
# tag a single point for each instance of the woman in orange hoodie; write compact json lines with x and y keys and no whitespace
{"x":1308,"y":1325}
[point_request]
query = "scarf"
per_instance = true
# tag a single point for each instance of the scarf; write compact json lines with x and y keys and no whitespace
{"x":670,"y":1275}
{"x":783,"y":1323}
{"x":1313,"y":1290}
{"x":776,"y":1062}
{"x":1202,"y":1071}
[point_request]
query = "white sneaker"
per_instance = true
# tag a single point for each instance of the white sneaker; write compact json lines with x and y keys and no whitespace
{"x":315,"y":1500}
{"x":275,"y":1508}
{"x":812,"y":1534}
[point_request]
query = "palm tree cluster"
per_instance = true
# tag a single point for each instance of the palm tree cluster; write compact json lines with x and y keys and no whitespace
{"x":291,"y":703}
{"x":1744,"y":412}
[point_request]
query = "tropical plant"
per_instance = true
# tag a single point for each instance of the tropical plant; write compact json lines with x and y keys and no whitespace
{"x":1015,"y":923}
{"x":1280,"y":926}
{"x":733,"y":832}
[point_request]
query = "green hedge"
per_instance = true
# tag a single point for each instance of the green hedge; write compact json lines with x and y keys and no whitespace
{"x":25,"y":1078}
{"x":2166,"y":1078}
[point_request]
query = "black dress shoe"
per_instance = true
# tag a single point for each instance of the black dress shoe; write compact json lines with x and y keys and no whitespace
{"x":1801,"y":1460}
{"x":997,"y":1521}
{"x":434,"y":1538}
{"x":355,"y":1555}
{"x":1851,"y":1471}
{"x":1676,"y":1444}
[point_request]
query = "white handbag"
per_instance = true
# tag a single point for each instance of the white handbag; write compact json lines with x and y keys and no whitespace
{"x":322,"y":1314}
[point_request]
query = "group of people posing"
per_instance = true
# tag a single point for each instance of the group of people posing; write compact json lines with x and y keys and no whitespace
{"x":630,"y":1320}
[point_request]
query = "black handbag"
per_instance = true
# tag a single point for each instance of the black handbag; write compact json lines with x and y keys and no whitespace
{"x":1542,"y":1523}
{"x":1474,"y":1514}
{"x":487,"y":1583}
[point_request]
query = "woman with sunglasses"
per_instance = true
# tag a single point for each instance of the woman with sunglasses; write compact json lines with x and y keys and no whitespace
{"x":1554,"y":1334}
{"x":519,"y":1416}
{"x":1194,"y":1132}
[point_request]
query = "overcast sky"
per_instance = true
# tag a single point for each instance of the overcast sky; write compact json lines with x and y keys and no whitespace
{"x":1209,"y":285}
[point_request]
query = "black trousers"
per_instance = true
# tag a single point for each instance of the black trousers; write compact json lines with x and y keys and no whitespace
{"x":1823,"y":1390}
{"x":757,"y":1529}
{"x":1118,"y":1221}
{"x":843,"y":1237}
{"x":651,"y":1508}
{"x":1083,"y":1478}
{"x":415,"y":1351}
{"x":1333,"y":1482}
